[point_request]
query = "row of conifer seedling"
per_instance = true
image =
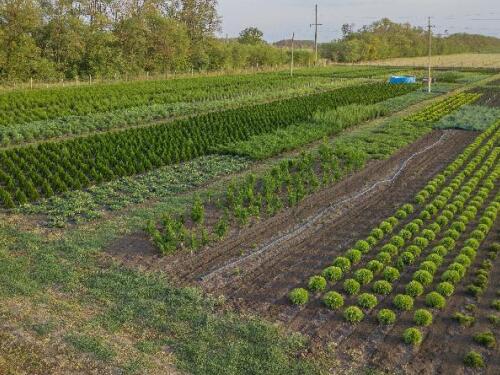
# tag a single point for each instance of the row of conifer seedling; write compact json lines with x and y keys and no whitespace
{"x":470,"y":188}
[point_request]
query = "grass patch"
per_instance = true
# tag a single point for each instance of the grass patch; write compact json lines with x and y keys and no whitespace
{"x":91,"y":345}
{"x":470,"y":117}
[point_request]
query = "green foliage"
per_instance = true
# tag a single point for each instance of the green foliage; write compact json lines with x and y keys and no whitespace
{"x":343,"y":263}
{"x":351,"y":286}
{"x":474,"y":360}
{"x":391,"y":274}
{"x":333,"y":300}
{"x":367,"y":301}
{"x":414,"y":289}
{"x":435,"y":300}
{"x":316,"y":284}
{"x":412,"y":336}
{"x":299,"y":296}
{"x":332,"y":273}
{"x":422,"y":317}
{"x":353,"y":314}
{"x":198,"y":211}
{"x":446,"y":289}
{"x":464,"y":319}
{"x":486,"y":339}
{"x":386,"y":317}
{"x":403,"y":302}
{"x":382,"y":287}
{"x":363,"y":276}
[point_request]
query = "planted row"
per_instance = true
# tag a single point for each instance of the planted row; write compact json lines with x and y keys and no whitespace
{"x":28,"y":173}
{"x":444,"y":107}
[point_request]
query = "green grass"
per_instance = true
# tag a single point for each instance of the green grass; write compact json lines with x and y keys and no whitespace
{"x":92,"y":345}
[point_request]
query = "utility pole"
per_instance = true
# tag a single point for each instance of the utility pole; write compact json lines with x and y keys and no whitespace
{"x":429,"y":78}
{"x":291,"y":64}
{"x":316,"y":24}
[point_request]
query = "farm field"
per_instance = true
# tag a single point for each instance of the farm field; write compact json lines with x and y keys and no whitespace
{"x":252,"y":224}
{"x":464,"y":60}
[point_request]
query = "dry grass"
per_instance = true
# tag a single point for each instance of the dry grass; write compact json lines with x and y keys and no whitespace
{"x":469,"y":60}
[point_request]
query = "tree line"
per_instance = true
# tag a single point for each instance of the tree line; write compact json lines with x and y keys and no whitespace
{"x":67,"y":39}
{"x":385,"y":39}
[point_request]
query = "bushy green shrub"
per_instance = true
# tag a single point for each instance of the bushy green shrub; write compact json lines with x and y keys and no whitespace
{"x":386,"y":317}
{"x":412,"y":336}
{"x":354,"y":256}
{"x":496,"y":304}
{"x":384,"y":257}
{"x":343,"y":263}
{"x":333,"y":300}
{"x":463,"y":260}
{"x":332,"y":273}
{"x":486,"y":339}
{"x":445,"y":288}
{"x":367,"y":301}
{"x":351,"y":286}
{"x":382,"y":287}
{"x":377,"y":233}
{"x":353,"y":314}
{"x":386,"y":227}
{"x":421,"y":242}
{"x":398,"y":241}
{"x":316,"y":284}
{"x":429,"y":267}
{"x":415,"y":250}
{"x":407,"y":258}
{"x":435,"y":300}
{"x":299,"y":296}
{"x":362,"y":246}
{"x":435,"y":258}
{"x":390,"y":248}
{"x":375,"y":266}
{"x":414,"y":289}
{"x":422,"y":317}
{"x":464,"y":319}
{"x":423,"y":277}
{"x":363,"y":276}
{"x":391,"y":274}
{"x":403,"y":302}
{"x":474,"y":360}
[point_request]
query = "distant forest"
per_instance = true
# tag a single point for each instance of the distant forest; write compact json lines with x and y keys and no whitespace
{"x":69,"y":39}
{"x":385,"y":39}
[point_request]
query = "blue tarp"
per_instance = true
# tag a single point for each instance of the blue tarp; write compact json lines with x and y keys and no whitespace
{"x":398,"y":80}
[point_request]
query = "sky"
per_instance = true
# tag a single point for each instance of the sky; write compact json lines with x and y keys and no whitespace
{"x":279,"y":18}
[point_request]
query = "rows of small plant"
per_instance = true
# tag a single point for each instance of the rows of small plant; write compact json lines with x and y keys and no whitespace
{"x":391,"y":261}
{"x":344,"y":264}
{"x":476,"y":288}
{"x":15,"y":134}
{"x":24,"y":106}
{"x":284,"y":185}
{"x":444,"y":107}
{"x":454,"y":273}
{"x":28,"y":173}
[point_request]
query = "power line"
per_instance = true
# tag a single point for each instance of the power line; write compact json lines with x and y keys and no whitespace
{"x":316,"y":24}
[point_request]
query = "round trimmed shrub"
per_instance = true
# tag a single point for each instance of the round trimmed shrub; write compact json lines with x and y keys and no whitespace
{"x":351,"y":286}
{"x":442,"y":220}
{"x":421,"y":242}
{"x":353,"y":314}
{"x":428,"y":234}
{"x":332,"y":273}
{"x":362,"y":246}
{"x":452,"y":233}
{"x":478,"y":235}
{"x":386,"y":317}
{"x":425,"y":215}
{"x":384,"y":257}
{"x":386,"y":227}
{"x":428,"y":266}
{"x":414,"y":289}
{"x":377,"y":233}
{"x":422,"y":317}
{"x":375,"y":266}
{"x":372,"y":241}
{"x":435,"y":258}
{"x":367,"y":301}
{"x":413,"y":228}
{"x":435,"y":228}
{"x":435,"y":300}
{"x":403,"y":302}
{"x":423,"y":277}
{"x":447,"y":242}
{"x":474,"y":360}
{"x":354,"y":256}
{"x":463,"y":260}
{"x":316,"y":284}
{"x":415,"y":250}
{"x":408,"y":208}
{"x":343,"y":263}
{"x":440,"y":250}
{"x":457,"y":267}
{"x":299,"y":296}
{"x":451,"y":276}
{"x":391,"y":274}
{"x":382,"y":287}
{"x":405,"y":234}
{"x":393,"y":221}
{"x":472,"y":242}
{"x":363,"y":276}
{"x":398,"y":241}
{"x":407,"y":258}
{"x":445,"y":288}
{"x":401,"y":214}
{"x":458,"y":226}
{"x":390,"y":248}
{"x":412,"y":336}
{"x":333,"y":300}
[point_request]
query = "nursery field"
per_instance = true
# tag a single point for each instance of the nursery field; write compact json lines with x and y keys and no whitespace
{"x":464,"y":60}
{"x":252,"y":224}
